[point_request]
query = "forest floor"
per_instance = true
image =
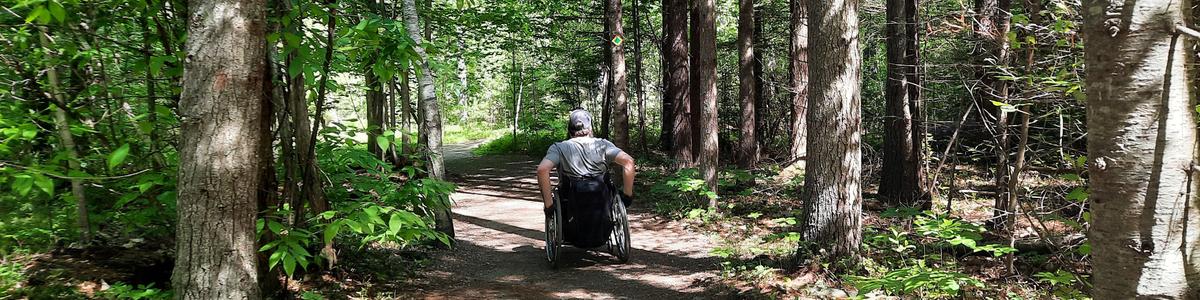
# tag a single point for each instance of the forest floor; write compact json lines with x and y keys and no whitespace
{"x":499,"y":253}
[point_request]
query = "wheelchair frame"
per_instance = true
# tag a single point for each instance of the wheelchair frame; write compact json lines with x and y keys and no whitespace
{"x":618,"y":240}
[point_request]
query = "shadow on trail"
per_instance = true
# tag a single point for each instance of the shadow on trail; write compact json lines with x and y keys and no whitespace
{"x":637,"y":256}
{"x":540,"y":282}
{"x":501,"y":255}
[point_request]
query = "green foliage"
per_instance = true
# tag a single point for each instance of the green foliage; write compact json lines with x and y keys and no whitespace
{"x":1064,"y":284}
{"x":122,"y":291}
{"x":917,"y":280}
{"x":370,"y":207}
{"x":528,"y":143}
{"x":455,"y":134}
{"x":11,"y":275}
{"x":909,"y":262}
{"x":956,"y":232}
{"x":682,"y":194}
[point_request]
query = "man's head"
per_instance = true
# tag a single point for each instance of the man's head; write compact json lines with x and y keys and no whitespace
{"x":579,"y":123}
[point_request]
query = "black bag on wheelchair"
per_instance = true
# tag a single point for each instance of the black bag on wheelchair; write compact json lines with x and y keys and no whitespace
{"x":586,"y":210}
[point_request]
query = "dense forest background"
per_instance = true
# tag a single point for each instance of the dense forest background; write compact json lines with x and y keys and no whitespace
{"x":958,"y":155}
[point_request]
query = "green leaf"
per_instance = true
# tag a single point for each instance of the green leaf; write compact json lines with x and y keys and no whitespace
{"x":394,"y":224}
{"x":289,"y":265}
{"x":125,"y":199}
{"x":117,"y":157}
{"x":382,"y":141}
{"x":274,"y":259}
{"x":44,"y":183}
{"x":275,"y":226}
{"x":36,"y":14}
{"x":22,"y":184}
{"x":1078,"y":194}
{"x":57,"y":11}
{"x":331,"y":231}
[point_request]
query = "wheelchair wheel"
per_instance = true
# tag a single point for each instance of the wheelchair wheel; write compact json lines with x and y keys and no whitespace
{"x":554,"y":235}
{"x":619,"y":241}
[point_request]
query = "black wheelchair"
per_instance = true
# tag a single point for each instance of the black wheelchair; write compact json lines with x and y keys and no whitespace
{"x":587,"y":218}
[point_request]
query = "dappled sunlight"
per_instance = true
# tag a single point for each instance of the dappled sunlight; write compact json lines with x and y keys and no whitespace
{"x":499,"y":225}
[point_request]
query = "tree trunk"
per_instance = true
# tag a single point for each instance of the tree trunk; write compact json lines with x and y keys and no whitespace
{"x":151,"y":137}
{"x":993,"y":21}
{"x":268,"y":183}
{"x":432,"y":123}
{"x":902,"y":178}
{"x":518,"y":88}
{"x":799,"y":70}
{"x":678,"y":89}
{"x":620,"y":101}
{"x":405,"y":109}
{"x":704,"y":60}
{"x":637,"y":75}
{"x":218,"y":156}
{"x":462,"y":75}
{"x":833,"y":197}
{"x":1141,"y":142}
{"x":747,"y":153}
{"x":375,"y":108}
{"x":68,"y":143}
{"x":762,"y":107}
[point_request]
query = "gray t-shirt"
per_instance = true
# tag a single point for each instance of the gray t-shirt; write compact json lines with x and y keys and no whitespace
{"x":582,"y":156}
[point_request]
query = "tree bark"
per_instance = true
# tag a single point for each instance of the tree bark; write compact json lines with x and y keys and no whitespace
{"x":462,"y":75}
{"x":747,"y":153}
{"x":619,"y":86}
{"x":375,"y":108}
{"x":993,"y":21}
{"x":405,"y":109}
{"x":432,"y":121}
{"x":220,"y":132}
{"x":704,"y":59}
{"x":1142,"y":147}
{"x":67,"y":140}
{"x":678,"y":89}
{"x":832,"y":192}
{"x":637,"y":75}
{"x":799,"y":68}
{"x":903,"y":176}
{"x":151,"y":137}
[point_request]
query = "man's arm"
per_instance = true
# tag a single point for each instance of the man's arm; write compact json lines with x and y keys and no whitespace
{"x":543,"y":176}
{"x":629,"y":170}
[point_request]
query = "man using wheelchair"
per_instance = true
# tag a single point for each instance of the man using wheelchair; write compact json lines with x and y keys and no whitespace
{"x":585,"y":210}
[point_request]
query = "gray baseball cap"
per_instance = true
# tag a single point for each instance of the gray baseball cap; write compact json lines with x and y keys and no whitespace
{"x":579,"y":120}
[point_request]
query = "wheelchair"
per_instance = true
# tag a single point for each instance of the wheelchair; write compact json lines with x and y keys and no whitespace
{"x":562,"y":224}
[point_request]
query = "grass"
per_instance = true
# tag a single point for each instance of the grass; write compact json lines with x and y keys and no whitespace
{"x":454,"y":134}
{"x":527,"y":143}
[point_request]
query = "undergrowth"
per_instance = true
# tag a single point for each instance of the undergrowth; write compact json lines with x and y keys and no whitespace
{"x":906,"y":252}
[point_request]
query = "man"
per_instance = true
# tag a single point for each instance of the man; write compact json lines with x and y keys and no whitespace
{"x":582,"y":163}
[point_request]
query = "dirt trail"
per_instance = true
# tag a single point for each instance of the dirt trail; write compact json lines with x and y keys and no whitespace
{"x":499,"y":226}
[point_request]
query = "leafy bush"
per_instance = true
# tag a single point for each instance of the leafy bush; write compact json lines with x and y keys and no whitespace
{"x":11,"y":275}
{"x":682,"y":194}
{"x":1064,"y":284}
{"x":909,"y":262}
{"x":367,"y":204}
{"x":122,"y":291}
{"x":918,"y":279}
